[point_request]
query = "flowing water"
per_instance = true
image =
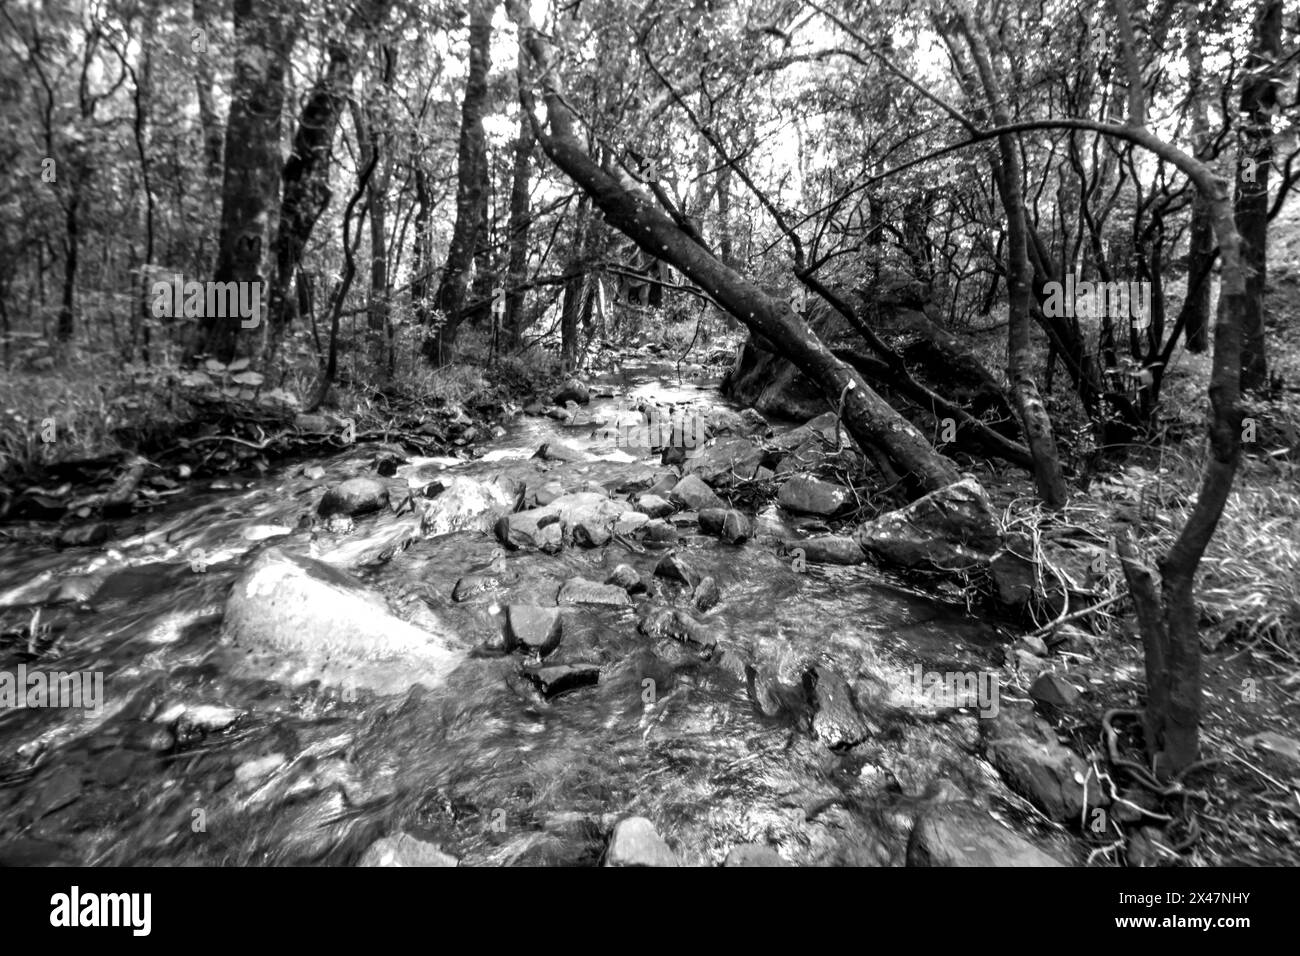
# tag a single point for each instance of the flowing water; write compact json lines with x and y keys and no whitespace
{"x":191,"y":762}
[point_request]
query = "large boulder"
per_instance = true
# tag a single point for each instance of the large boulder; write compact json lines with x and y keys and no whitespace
{"x":725,"y":461}
{"x":1024,"y":749}
{"x":954,"y":834}
{"x":295,"y":619}
{"x":465,"y":504}
{"x":951,"y":529}
{"x":811,"y":496}
{"x":691,"y":492}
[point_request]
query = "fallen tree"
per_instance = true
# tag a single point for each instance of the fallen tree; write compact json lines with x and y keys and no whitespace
{"x":897,"y":447}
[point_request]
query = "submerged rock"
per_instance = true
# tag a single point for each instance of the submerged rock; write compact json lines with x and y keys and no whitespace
{"x":582,"y":591}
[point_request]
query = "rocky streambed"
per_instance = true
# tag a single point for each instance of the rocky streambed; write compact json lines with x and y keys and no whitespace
{"x":570,"y":649}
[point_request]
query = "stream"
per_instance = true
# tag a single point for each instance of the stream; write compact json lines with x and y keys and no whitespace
{"x":194,"y":761}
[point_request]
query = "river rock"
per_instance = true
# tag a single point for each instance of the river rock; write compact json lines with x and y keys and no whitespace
{"x":675,"y":567}
{"x":572,"y":391}
{"x":635,"y":842}
{"x":297,"y":619}
{"x":536,"y":629}
{"x":559,"y":451}
{"x":356,"y":496}
{"x":811,"y":496}
{"x":465,"y":504}
{"x":730,"y":525}
{"x":956,"y":835}
{"x":691,"y":492}
{"x":659,"y":531}
{"x":706,"y":594}
{"x":402,"y":849}
{"x":831,"y":549}
{"x":472,"y":585}
{"x":953,"y":528}
{"x":1054,"y":691}
{"x":654,"y":506}
{"x":630,"y":523}
{"x":582,"y":591}
{"x":556,"y":679}
{"x":549,"y":492}
{"x":626,"y":577}
{"x":754,"y":854}
{"x":85,"y":535}
{"x":1024,"y":749}
{"x":836,"y":720}
{"x":679,"y":625}
{"x":538,"y":529}
{"x":725,"y":461}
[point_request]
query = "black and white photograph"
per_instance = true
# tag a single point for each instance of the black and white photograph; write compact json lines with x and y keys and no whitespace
{"x":650,"y":433}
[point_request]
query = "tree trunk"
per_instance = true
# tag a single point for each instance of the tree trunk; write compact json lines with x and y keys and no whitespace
{"x":306,"y":172}
{"x":264,"y":39}
{"x":203,"y":81}
{"x":520,"y":217}
{"x":1034,"y":419}
{"x":869,"y":418}
{"x":471,"y":189}
{"x":1258,"y":101}
{"x":1200,"y":247}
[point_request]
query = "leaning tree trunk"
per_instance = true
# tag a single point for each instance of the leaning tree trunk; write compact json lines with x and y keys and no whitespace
{"x":264,"y":38}
{"x":871,"y":421}
{"x":471,"y":189}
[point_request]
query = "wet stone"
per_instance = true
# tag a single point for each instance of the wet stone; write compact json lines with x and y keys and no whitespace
{"x":730,"y":525}
{"x":535,"y":629}
{"x":582,"y":591}
{"x":635,"y":842}
{"x":674,"y":567}
{"x":356,"y":496}
{"x":557,"y":679}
